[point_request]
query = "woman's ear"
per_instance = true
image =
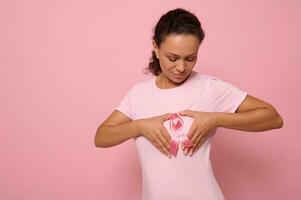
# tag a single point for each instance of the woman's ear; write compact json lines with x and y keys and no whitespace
{"x":156,"y":48}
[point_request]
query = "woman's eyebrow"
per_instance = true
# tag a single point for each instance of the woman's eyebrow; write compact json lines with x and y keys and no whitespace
{"x":178,"y":55}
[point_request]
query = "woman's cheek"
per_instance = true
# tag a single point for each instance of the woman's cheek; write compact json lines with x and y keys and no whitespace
{"x":167,"y":65}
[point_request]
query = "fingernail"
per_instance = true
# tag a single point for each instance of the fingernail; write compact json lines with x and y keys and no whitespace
{"x":186,"y":151}
{"x":190,"y":154}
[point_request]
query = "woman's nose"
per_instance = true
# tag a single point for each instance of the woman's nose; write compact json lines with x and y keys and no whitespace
{"x":181,"y":67}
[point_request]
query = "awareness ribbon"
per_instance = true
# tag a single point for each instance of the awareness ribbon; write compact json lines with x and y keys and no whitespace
{"x":176,"y":124}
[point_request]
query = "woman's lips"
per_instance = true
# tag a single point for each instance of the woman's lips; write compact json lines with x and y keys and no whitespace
{"x":179,"y":75}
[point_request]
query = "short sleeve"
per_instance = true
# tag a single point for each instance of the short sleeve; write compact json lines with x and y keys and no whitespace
{"x":125,"y":105}
{"x":225,"y":96}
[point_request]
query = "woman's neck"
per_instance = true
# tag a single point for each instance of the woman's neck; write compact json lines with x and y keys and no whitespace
{"x":164,"y":83}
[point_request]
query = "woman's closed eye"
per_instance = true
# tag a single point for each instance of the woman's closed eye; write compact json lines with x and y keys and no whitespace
{"x":173,"y":60}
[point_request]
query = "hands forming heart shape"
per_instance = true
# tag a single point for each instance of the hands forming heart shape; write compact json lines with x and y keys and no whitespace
{"x":176,"y":125}
{"x":190,"y":129}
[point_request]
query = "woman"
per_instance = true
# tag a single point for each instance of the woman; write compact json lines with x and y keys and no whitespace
{"x":180,"y":107}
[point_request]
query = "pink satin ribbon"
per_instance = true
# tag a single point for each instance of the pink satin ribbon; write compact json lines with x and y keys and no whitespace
{"x":176,"y":124}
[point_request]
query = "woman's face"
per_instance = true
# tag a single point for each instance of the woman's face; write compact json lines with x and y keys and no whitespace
{"x":177,"y":56}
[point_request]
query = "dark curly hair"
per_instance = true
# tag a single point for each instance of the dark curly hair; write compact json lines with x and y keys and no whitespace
{"x":177,"y":21}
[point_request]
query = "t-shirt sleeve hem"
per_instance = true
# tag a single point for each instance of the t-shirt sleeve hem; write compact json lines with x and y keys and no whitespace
{"x":238,"y":102}
{"x":124,"y":112}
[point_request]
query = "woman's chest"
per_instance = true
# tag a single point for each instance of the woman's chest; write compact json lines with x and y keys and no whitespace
{"x":154,"y":104}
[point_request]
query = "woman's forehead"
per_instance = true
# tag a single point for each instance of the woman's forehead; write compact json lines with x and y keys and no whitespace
{"x":185,"y":45}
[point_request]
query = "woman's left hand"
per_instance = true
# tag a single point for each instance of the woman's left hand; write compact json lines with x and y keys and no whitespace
{"x":203,"y":124}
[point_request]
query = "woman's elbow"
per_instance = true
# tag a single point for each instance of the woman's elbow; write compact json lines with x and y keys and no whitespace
{"x":279,"y":122}
{"x":97,"y":139}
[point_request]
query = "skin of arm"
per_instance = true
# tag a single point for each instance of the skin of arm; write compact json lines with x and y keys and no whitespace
{"x":116,"y":129}
{"x":258,"y":119}
{"x":252,"y":115}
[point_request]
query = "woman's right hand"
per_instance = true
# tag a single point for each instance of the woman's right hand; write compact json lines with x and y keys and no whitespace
{"x":154,"y":130}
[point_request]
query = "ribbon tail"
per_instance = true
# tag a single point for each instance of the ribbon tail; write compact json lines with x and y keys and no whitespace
{"x":186,"y":142}
{"x":174,"y":146}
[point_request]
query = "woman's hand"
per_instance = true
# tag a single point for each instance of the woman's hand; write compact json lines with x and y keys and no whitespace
{"x":153,"y":129}
{"x":203,"y":124}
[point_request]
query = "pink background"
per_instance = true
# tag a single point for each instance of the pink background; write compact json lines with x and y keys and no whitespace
{"x":65,"y":65}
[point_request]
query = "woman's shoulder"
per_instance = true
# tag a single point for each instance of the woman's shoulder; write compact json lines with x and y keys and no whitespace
{"x":205,"y":77}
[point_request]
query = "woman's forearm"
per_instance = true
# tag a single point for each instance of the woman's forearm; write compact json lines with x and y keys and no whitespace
{"x":260,"y":119}
{"x":107,"y":135}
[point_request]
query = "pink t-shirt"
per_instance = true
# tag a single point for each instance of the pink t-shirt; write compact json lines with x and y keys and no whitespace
{"x":181,"y":177}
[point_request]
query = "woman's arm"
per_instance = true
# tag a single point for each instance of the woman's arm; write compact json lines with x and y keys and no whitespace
{"x":116,"y":129}
{"x":253,"y":114}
